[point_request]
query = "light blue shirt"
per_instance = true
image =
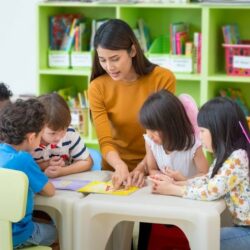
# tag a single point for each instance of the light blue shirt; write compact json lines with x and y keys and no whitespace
{"x":20,"y":160}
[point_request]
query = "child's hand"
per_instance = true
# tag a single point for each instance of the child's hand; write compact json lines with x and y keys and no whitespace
{"x":176,"y":175}
{"x":43,"y":164}
{"x":56,"y":161}
{"x":161,"y":177}
{"x":166,"y":188}
{"x":53,"y":171}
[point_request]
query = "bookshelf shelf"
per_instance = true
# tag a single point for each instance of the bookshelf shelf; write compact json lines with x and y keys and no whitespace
{"x":205,"y":18}
{"x":224,"y":78}
{"x":77,"y":72}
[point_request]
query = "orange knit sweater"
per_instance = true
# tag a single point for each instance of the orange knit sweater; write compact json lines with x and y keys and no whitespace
{"x":115,"y":106}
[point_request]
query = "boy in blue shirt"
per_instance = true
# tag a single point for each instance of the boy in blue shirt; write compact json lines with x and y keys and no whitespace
{"x":21,"y":126}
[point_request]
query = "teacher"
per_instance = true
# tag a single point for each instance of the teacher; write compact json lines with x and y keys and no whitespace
{"x":122,"y":78}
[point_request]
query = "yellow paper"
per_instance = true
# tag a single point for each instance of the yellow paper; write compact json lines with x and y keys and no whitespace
{"x":102,"y":187}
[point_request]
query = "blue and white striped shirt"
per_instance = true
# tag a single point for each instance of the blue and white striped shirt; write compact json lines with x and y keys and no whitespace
{"x":71,"y":148}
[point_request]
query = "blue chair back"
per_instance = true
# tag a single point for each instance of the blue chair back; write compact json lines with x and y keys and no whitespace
{"x":97,"y":158}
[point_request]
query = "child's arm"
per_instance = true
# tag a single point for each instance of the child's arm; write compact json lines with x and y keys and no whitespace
{"x":151,"y":162}
{"x":48,"y":190}
{"x":75,"y":167}
{"x":43,"y":164}
{"x":167,"y":187}
{"x":201,"y":162}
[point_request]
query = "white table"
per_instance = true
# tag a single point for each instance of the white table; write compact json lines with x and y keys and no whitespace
{"x":96,"y":215}
{"x":60,"y":206}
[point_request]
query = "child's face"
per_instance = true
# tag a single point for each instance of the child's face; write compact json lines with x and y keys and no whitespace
{"x":50,"y":136}
{"x":154,"y":136}
{"x":206,"y":139}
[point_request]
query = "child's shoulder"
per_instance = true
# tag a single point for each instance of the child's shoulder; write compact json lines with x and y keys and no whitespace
{"x":240,"y":154}
{"x":71,"y":134}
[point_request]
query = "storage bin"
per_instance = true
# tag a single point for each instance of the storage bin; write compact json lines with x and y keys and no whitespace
{"x":159,"y":53}
{"x":58,"y":59}
{"x":81,"y":59}
{"x":237,"y":57}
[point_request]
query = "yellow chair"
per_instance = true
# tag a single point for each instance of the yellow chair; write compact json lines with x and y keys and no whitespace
{"x":13,"y":197}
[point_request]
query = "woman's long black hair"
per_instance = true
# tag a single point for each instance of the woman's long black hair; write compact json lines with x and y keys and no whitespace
{"x":222,"y":117}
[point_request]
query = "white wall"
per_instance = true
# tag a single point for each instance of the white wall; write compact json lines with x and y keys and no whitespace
{"x":18,"y":45}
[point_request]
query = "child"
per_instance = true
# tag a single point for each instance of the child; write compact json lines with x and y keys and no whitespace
{"x":21,"y":126}
{"x":5,"y":95}
{"x":224,"y":132}
{"x":171,"y":145}
{"x":62,"y":151}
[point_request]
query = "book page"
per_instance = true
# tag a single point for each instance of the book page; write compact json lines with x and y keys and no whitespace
{"x":106,"y":188}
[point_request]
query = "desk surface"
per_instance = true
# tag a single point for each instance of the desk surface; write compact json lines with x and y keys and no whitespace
{"x":145,"y":199}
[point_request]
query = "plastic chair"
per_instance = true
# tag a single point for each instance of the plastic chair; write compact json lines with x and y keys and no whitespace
{"x":13,"y":196}
{"x":97,"y":158}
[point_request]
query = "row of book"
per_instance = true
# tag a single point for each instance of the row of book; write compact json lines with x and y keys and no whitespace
{"x":182,"y":44}
{"x":65,"y":31}
{"x":75,"y":32}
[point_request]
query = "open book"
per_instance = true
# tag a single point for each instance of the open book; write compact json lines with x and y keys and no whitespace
{"x":87,"y":186}
{"x":103,"y":187}
{"x":68,"y":184}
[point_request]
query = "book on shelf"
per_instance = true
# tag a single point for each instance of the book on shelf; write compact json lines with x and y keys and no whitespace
{"x":181,"y":28}
{"x":96,"y":23}
{"x":59,"y":27}
{"x":231,"y":34}
{"x":144,"y":35}
{"x":197,"y":52}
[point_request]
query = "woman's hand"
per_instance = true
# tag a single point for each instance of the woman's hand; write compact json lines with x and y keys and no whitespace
{"x":176,"y":175}
{"x":138,"y":177}
{"x":121,"y":176}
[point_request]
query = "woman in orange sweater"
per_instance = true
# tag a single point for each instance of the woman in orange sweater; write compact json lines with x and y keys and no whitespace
{"x":122,"y":79}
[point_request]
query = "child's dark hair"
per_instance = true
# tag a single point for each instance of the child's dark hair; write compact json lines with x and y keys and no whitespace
{"x":164,"y":112}
{"x":20,"y":118}
{"x":116,"y":34}
{"x":58,"y":115}
{"x":221,"y":116}
{"x":5,"y":93}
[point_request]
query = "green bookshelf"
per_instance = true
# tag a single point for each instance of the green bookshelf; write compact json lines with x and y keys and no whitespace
{"x":207,"y":19}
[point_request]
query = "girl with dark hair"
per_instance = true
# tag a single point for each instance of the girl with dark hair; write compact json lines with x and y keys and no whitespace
{"x":171,"y":145}
{"x":225,"y":133}
{"x":122,"y":78}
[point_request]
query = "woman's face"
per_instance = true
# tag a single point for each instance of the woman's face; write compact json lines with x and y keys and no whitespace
{"x":118,"y":63}
{"x":206,"y":139}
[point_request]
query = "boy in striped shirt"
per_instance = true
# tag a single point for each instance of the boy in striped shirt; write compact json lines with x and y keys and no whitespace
{"x":62,"y":150}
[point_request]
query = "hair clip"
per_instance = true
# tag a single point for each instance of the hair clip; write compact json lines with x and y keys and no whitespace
{"x":244,"y":132}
